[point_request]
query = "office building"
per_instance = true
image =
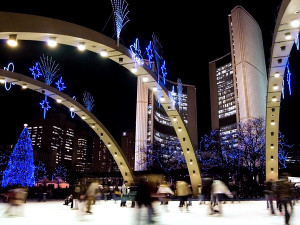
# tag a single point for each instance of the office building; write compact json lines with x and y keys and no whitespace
{"x":238,"y":80}
{"x":127,"y":145}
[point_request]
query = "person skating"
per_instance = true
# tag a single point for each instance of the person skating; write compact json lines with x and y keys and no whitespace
{"x":124,"y":193}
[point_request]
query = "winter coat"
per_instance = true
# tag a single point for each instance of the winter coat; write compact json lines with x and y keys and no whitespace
{"x":164,"y":189}
{"x":92,"y":190}
{"x":284,"y":189}
{"x":218,"y":187}
{"x":125,"y":189}
{"x":183,"y":188}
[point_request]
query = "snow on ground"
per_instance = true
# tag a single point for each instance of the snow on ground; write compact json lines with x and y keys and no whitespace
{"x":109,"y":212}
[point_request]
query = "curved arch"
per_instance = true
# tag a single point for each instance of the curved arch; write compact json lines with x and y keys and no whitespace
{"x":37,"y":28}
{"x":281,"y":48}
{"x":80,"y":110}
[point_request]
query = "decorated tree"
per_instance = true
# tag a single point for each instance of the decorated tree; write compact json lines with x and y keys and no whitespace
{"x":164,"y":158}
{"x":40,"y":171}
{"x":241,"y":153}
{"x":60,"y":172}
{"x":218,"y":153}
{"x":3,"y":162}
{"x":20,"y":168}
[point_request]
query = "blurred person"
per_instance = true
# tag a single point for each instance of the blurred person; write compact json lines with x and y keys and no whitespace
{"x":164,"y":192}
{"x":91,"y":193}
{"x":206,"y":188}
{"x":68,"y":200}
{"x":270,"y":195}
{"x":200,"y":195}
{"x":234,"y":191}
{"x":143,"y":198}
{"x":124,"y":193}
{"x":218,"y":188}
{"x":17,"y":198}
{"x":76,"y":196}
{"x":285,"y":193}
{"x":40,"y":193}
{"x":183,"y":191}
{"x":105,"y":192}
{"x":116,"y":192}
{"x":190,"y":196}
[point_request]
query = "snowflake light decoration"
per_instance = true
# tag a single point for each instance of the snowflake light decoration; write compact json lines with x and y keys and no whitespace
{"x":60,"y":84}
{"x":149,"y":51}
{"x":45,"y":106}
{"x":136,"y":53}
{"x":35,"y":71}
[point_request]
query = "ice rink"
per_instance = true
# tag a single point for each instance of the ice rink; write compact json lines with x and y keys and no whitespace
{"x":109,"y":212}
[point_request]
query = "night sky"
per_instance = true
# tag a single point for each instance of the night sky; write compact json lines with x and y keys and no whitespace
{"x":191,"y":37}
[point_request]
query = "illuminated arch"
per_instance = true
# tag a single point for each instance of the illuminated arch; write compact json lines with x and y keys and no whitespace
{"x":80,"y":110}
{"x":36,"y":28}
{"x":281,"y":48}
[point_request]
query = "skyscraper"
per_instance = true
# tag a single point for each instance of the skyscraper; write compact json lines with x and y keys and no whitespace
{"x":53,"y":140}
{"x":127,"y":145}
{"x":238,"y":80}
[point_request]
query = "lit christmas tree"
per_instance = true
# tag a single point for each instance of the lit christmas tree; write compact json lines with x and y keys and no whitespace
{"x":20,"y":168}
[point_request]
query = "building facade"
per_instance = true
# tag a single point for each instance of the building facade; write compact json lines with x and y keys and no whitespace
{"x":153,"y":126}
{"x":53,"y":140}
{"x":238,"y":80}
{"x":102,"y":160}
{"x":57,"y":141}
{"x":127,"y":145}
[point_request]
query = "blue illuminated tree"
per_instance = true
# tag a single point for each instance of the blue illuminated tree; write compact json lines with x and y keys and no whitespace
{"x":164,"y":158}
{"x":60,"y":172}
{"x":241,"y":152}
{"x":40,"y":171}
{"x":20,"y":168}
{"x":3,"y":162}
{"x":218,"y":153}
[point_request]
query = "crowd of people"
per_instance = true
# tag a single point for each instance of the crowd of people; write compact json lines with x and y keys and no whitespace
{"x":280,"y":195}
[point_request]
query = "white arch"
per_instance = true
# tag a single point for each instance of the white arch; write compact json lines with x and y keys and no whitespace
{"x":281,"y":48}
{"x":37,"y":28}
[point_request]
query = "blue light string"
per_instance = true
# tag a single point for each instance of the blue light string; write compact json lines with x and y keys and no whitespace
{"x":289,"y":78}
{"x":171,"y":96}
{"x":11,"y":68}
{"x":179,"y":93}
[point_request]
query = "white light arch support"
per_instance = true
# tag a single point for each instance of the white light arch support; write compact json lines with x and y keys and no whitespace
{"x":80,"y":110}
{"x":37,"y":28}
{"x":281,"y":49}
